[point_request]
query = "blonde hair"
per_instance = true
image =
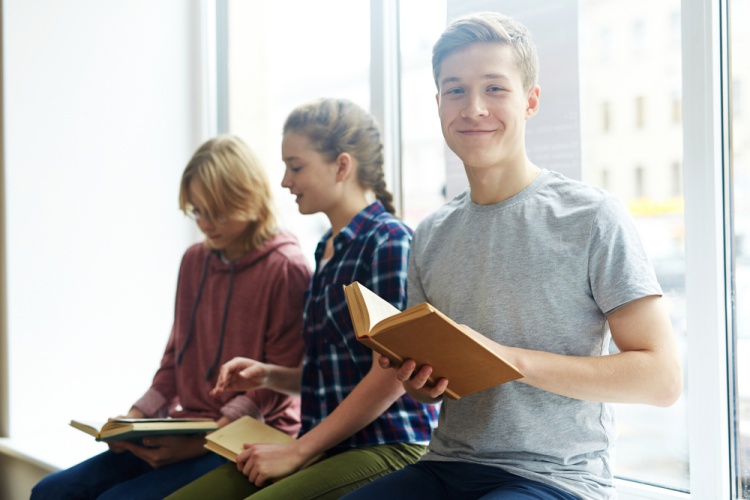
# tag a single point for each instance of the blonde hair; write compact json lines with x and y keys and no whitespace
{"x":235,"y":186}
{"x":490,"y":27}
{"x":336,"y":126}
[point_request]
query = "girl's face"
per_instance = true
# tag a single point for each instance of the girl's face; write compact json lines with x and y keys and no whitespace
{"x":309,"y":177}
{"x":221,"y":233}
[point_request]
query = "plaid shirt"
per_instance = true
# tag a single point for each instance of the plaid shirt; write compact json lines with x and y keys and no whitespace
{"x":374,"y":250}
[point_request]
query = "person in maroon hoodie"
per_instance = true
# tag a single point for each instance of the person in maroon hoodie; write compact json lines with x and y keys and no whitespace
{"x":239,"y":293}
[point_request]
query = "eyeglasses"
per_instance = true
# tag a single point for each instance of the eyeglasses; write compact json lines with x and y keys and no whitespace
{"x":198,"y":216}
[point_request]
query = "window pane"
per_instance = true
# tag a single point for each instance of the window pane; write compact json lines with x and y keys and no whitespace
{"x":740,"y":161}
{"x":636,"y":153}
{"x":283,"y":53}
{"x":423,"y":148}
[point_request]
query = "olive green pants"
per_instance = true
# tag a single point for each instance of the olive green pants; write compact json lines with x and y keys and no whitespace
{"x":330,"y":478}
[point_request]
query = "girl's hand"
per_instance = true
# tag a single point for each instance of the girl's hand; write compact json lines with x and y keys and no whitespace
{"x":262,"y":463}
{"x":241,"y":374}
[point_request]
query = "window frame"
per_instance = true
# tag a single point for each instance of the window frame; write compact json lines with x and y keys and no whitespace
{"x":706,"y":187}
{"x":705,"y":179}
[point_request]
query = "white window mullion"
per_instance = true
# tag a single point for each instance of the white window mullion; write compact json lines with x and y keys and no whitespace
{"x":385,"y":88}
{"x":704,"y":129}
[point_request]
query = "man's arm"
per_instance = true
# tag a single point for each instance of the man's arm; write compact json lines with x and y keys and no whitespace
{"x":646,"y":370}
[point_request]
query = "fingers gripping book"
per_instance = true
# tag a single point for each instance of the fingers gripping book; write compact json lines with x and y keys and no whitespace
{"x":471,"y":362}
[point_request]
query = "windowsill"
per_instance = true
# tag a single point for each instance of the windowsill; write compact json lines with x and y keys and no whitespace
{"x":54,"y":448}
{"x":629,"y":490}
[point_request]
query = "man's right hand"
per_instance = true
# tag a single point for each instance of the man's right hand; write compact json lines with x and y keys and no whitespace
{"x":417,"y":382}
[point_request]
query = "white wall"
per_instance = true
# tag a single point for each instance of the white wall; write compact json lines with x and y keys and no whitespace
{"x":103,"y":107}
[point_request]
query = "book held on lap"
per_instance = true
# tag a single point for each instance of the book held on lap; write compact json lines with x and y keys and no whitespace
{"x":132,"y":428}
{"x":228,"y":440}
{"x":471,"y":362}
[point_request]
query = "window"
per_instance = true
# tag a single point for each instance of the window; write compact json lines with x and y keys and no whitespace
{"x":675,"y":30}
{"x":676,"y":108}
{"x":639,"y":37}
{"x":111,"y":88}
{"x":638,"y":183}
{"x":423,"y":148}
{"x":606,"y":45}
{"x":676,"y":180}
{"x":278,"y":61}
{"x":640,"y":111}
{"x":737,"y":97}
{"x":605,"y":116}
{"x":652,"y":446}
{"x":740,"y":214}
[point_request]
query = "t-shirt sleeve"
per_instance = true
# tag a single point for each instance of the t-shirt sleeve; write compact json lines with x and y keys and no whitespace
{"x":619,"y":268}
{"x":414,"y":288}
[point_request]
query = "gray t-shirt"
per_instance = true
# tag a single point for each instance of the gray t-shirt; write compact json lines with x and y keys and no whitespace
{"x":538,"y":271}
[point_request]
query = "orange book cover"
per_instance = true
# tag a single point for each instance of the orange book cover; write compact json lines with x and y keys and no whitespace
{"x":471,"y":362}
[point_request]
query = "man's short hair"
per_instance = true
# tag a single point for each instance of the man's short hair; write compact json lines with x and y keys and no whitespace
{"x":490,"y":27}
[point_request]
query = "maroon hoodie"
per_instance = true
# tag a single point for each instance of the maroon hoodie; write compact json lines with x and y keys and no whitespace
{"x":252,"y":308}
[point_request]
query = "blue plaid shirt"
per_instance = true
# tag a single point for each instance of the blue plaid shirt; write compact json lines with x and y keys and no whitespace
{"x":374,"y":250}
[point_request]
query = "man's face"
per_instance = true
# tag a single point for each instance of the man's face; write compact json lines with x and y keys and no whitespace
{"x":483,"y":106}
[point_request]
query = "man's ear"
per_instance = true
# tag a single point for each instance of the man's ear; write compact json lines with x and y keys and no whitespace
{"x":532,"y":106}
{"x":345,"y":167}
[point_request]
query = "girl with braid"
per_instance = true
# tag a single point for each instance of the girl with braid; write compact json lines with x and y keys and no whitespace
{"x":239,"y":293}
{"x":355,"y":415}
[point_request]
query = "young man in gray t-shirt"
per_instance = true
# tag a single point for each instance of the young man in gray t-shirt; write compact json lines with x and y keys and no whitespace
{"x":549,"y":268}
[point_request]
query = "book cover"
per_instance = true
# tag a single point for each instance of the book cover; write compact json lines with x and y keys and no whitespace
{"x":135,"y":428}
{"x":227,"y":441}
{"x":471,"y":362}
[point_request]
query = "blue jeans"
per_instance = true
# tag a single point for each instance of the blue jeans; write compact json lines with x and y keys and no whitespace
{"x":120,"y":476}
{"x":452,"y":480}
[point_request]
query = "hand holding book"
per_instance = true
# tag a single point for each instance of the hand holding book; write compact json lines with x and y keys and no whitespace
{"x":418,"y":380}
{"x":439,"y":347}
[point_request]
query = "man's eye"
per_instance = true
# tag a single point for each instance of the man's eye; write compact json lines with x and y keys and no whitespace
{"x":455,"y":91}
{"x":495,"y":88}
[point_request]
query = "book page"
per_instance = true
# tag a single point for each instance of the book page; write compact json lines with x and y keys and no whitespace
{"x":88,"y":427}
{"x":378,"y":308}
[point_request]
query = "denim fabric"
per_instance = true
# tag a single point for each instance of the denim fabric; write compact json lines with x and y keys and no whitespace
{"x":121,"y":476}
{"x":449,"y":480}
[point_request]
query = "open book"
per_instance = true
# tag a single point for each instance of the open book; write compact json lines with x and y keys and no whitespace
{"x":228,"y":440}
{"x":132,"y":428}
{"x":471,"y":362}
